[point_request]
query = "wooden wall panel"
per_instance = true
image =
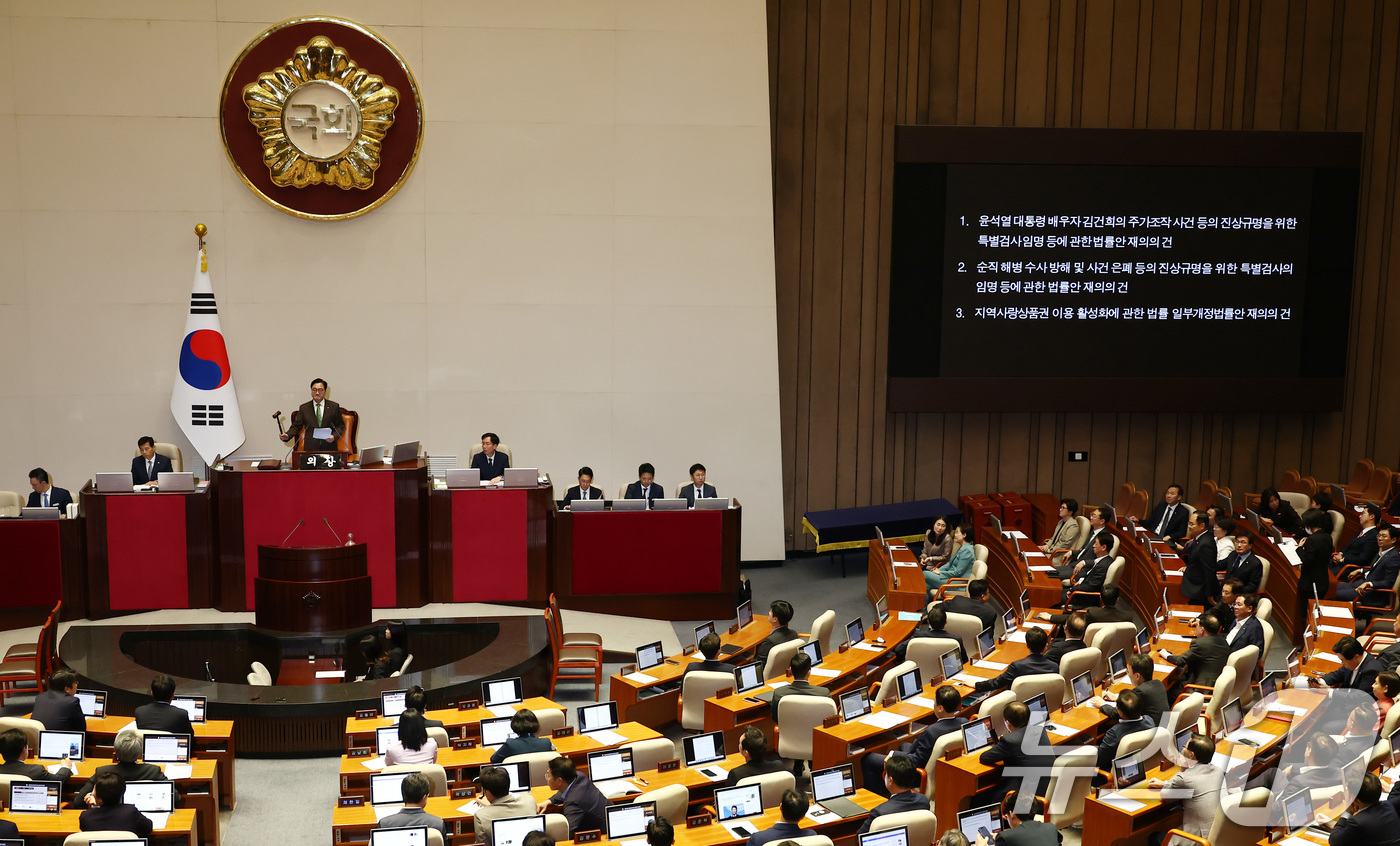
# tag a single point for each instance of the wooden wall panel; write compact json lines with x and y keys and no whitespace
{"x":844,"y":73}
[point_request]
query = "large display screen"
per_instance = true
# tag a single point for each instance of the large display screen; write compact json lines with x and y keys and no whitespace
{"x":1126,"y":270}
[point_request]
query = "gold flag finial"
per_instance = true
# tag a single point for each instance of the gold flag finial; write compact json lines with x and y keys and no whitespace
{"x":200,"y":230}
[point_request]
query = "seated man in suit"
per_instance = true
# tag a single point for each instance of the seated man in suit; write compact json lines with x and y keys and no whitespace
{"x":1247,"y":631}
{"x":697,"y":489}
{"x":1358,"y":670}
{"x":1204,"y":659}
{"x":1361,"y":551}
{"x":415,"y":789}
{"x":753,"y":745}
{"x":779,"y":615}
{"x":1099,"y":518}
{"x":1370,"y":822}
{"x":574,"y":796}
{"x":1033,"y":664}
{"x":1380,"y":575}
{"x":946,"y":703}
{"x":1021,"y":828}
{"x":709,"y":651}
{"x":1151,"y":692}
{"x":977,"y":603}
{"x":14,"y":748}
{"x":58,"y":708}
{"x":318,"y":413}
{"x":801,"y":669}
{"x":933,"y":625}
{"x":1088,"y":577}
{"x":1025,"y":753}
{"x":793,"y":807}
{"x":1203,"y":779}
{"x":1130,"y":720}
{"x":128,"y":748}
{"x":1319,"y":767}
{"x":147,"y":467}
{"x":1108,"y":612}
{"x":1390,"y":656}
{"x":107,"y":810}
{"x":1066,"y":531}
{"x":44,"y":494}
{"x":660,"y":832}
{"x":491,"y":463}
{"x":159,"y":714}
{"x":584,"y":489}
{"x":498,"y":803}
{"x":1198,"y":581}
{"x":1224,"y":610}
{"x":1073,"y":641}
{"x":1168,"y":519}
{"x":902,"y":786}
{"x":1244,"y":564}
{"x":645,"y":487}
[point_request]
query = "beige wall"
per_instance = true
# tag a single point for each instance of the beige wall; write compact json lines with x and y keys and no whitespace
{"x":595,"y":179}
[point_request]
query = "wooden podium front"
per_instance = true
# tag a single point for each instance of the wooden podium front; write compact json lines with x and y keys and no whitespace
{"x":312,"y":588}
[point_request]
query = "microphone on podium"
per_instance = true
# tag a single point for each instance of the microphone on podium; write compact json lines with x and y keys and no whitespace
{"x":292,"y":532}
{"x":328,"y":526}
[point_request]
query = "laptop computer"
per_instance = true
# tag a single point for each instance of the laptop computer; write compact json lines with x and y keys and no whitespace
{"x":1008,"y":621}
{"x":1082,"y":686}
{"x":748,"y":677}
{"x":54,"y":745}
{"x":114,"y":482}
{"x":176,"y":482}
{"x":717,"y":503}
{"x":702,"y":630}
{"x":463,"y":477}
{"x":580,"y":506}
{"x":166,"y":748}
{"x":985,"y":821}
{"x":909,"y":684}
{"x":1298,"y":810}
{"x":411,"y":836}
{"x":649,"y":656}
{"x":855,"y":631}
{"x":519,"y":772}
{"x":630,"y":504}
{"x":952,"y":663}
{"x":375,"y":455}
{"x":1117,"y":665}
{"x":496,"y":731}
{"x":499,"y":694}
{"x":511,"y":831}
{"x":986,"y":643}
{"x":703,"y":749}
{"x":736,"y":805}
{"x":1144,"y":640}
{"x":611,"y":765}
{"x":93,"y":703}
{"x":155,"y":799}
{"x":882,"y":610}
{"x":888,"y":837}
{"x":833,"y":788}
{"x":1040,"y":709}
{"x":1127,"y":771}
{"x":386,"y":735}
{"x":1025,"y":603}
{"x":601,"y":717}
{"x":854,"y":705}
{"x":192,"y":705}
{"x":628,"y":821}
{"x":978,"y":734}
{"x":392,"y":702}
{"x":407,"y":451}
{"x":38,"y":513}
{"x":813,"y":650}
{"x":35,"y":797}
{"x":386,"y":793}
{"x":744,"y":613}
{"x":669,"y":505}
{"x":522,"y":477}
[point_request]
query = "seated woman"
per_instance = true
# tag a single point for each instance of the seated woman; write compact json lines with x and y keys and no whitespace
{"x":376,"y":659}
{"x":959,"y":566}
{"x":392,"y":642}
{"x":413,"y":745}
{"x":938,"y":545}
{"x":107,"y":812}
{"x":525,"y":724}
{"x":1279,"y":513}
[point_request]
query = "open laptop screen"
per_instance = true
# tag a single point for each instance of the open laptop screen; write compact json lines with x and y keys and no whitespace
{"x":855,"y":631}
{"x":734,"y":803}
{"x":512,"y":830}
{"x":649,"y":656}
{"x":392,"y":702}
{"x":53,"y":745}
{"x":629,"y":820}
{"x":703,"y":748}
{"x":888,"y":837}
{"x":415,"y":836}
{"x":597,"y":717}
{"x":854,"y":704}
{"x":952,"y":663}
{"x":748,"y":677}
{"x":910,"y":685}
{"x":985,"y":820}
{"x":192,"y":705}
{"x":977,"y":734}
{"x":385,"y":735}
{"x":1083,"y":687}
{"x":986,"y":642}
{"x":814,"y":651}
{"x":833,"y":783}
{"x":1127,"y":770}
{"x":93,"y":702}
{"x":495,"y":731}
{"x":609,"y":764}
{"x":386,"y":788}
{"x":701,"y":631}
{"x":166,"y":748}
{"x":502,"y":692}
{"x":744,"y":613}
{"x":151,"y":797}
{"x":35,"y":797}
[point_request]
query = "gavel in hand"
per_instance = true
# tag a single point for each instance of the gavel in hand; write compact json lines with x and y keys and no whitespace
{"x":281,"y":432}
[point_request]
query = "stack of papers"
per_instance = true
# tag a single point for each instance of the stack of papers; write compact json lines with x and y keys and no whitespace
{"x":1017,"y":636}
{"x":1118,"y":800}
{"x":1057,"y":729}
{"x":1327,"y":656}
{"x":1175,"y":637}
{"x":920,"y":701}
{"x":373,"y":763}
{"x":1338,"y":630}
{"x":642,"y":678}
{"x":966,"y":678}
{"x":823,"y":673}
{"x":990,"y":665}
{"x":502,"y":710}
{"x":1015,"y":534}
{"x":157,"y":820}
{"x":906,"y":564}
{"x":1186,"y":615}
{"x":1164,"y":668}
{"x":178,"y":771}
{"x":1042,"y":568}
{"x":884,"y":719}
{"x":1333,"y":611}
{"x":470,"y":808}
{"x":1249,"y":736}
{"x":382,"y":811}
{"x":330,"y":674}
{"x":868,"y":647}
{"x":607,"y":737}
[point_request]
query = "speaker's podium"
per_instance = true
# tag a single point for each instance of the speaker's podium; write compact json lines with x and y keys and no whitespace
{"x":312,"y":588}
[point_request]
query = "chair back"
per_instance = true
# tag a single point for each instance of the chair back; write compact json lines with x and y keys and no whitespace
{"x":435,"y":773}
{"x":1152,"y":740}
{"x":1115,"y":570}
{"x":798,"y":717}
{"x":1084,"y":531}
{"x":773,"y":785}
{"x":1264,"y":611}
{"x":941,"y":747}
{"x":434,"y":837}
{"x":1110,"y":638}
{"x":1392,"y":721}
{"x":407,"y":662}
{"x":1360,"y":475}
{"x":780,"y":659}
{"x":5,"y":780}
{"x":439,"y":736}
{"x":1379,"y":489}
{"x":1264,"y":577}
{"x":1338,"y":521}
{"x":1243,"y":819}
{"x":83,"y":838}
{"x":501,"y":447}
{"x":261,"y":673}
{"x":979,"y":552}
{"x":557,"y":827}
{"x":887,"y":681}
{"x":1219,"y":697}
{"x":1297,"y":499}
{"x":539,"y":764}
{"x":993,"y":706}
{"x":821,"y":630}
{"x":1084,"y":660}
{"x":927,"y":653}
{"x":673,"y":800}
{"x":1071,"y":777}
{"x":1243,"y":662}
{"x":549,"y":719}
{"x":811,"y":840}
{"x":31,"y":729}
{"x":966,"y":627}
{"x":696,"y":687}
{"x":646,"y":754}
{"x":1186,"y":713}
{"x":1380,"y":754}
{"x":1123,"y":502}
{"x":11,"y":503}
{"x":1205,"y":497}
{"x":1050,"y":684}
{"x":922,"y":825}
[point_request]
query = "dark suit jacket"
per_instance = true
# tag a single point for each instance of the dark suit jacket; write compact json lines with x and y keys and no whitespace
{"x":1365,"y":677}
{"x":966,"y":605}
{"x":115,"y":818}
{"x":1154,"y":701}
{"x":922,"y":749}
{"x":688,"y":493}
{"x":1092,"y":577}
{"x":781,"y":830}
{"x":11,"y":831}
{"x":1030,"y":665}
{"x":771,"y":764}
{"x":1108,"y":744}
{"x":1375,"y":825}
{"x":1251,"y":633}
{"x":1362,"y":550}
{"x":1286,"y":519}
{"x":1099,"y":614}
{"x":1225,"y":614}
{"x":129,"y":772}
{"x":35,"y":772}
{"x":306,"y":417}
{"x":1061,"y":648}
{"x":782,"y":634}
{"x":909,"y":800}
{"x":59,"y":712}
{"x":162,"y":716}
{"x":1204,"y":660}
{"x":1382,"y":576}
{"x":1248,"y":569}
{"x":1390,"y":659}
{"x":706,"y":666}
{"x":499,"y":462}
{"x":796,"y":688}
{"x":58,"y":498}
{"x":634,"y":491}
{"x":1198,"y":582}
{"x":583,"y":804}
{"x":1176,"y":527}
{"x":1316,"y":557}
{"x":1030,"y":833}
{"x":1011,"y":753}
{"x":594,"y":492}
{"x":520,"y":746}
{"x":138,"y":469}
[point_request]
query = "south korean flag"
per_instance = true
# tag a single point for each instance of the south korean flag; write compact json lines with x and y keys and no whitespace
{"x":204,"y":401}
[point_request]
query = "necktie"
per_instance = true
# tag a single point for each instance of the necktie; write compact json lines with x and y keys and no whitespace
{"x":150,"y":468}
{"x":1166,"y":518}
{"x":318,"y":414}
{"x":585,"y":493}
{"x":46,"y":499}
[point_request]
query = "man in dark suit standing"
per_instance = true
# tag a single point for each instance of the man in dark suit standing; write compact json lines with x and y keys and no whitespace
{"x":1204,"y":659}
{"x":1024,"y":752}
{"x":946,"y":702}
{"x":1033,"y":664}
{"x":319,"y":413}
{"x":1089,"y":577}
{"x":160,"y":714}
{"x":697,"y":489}
{"x":1169,"y":518}
{"x":574,"y":796}
{"x":584,"y":489}
{"x":1244,"y":564}
{"x":1247,"y":631}
{"x":902,"y":784}
{"x":977,"y":603}
{"x":779,"y":615}
{"x":1198,"y":582}
{"x":57,"y":708}
{"x":1358,"y":670}
{"x":491,"y":463}
{"x":645,"y":486}
{"x":45,"y":495}
{"x":149,"y":464}
{"x":1075,"y":626}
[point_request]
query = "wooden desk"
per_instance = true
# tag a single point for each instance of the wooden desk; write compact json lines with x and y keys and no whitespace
{"x":1008,"y":575}
{"x":212,"y":741}
{"x":502,"y":549}
{"x":179,"y":828}
{"x":148,"y":550}
{"x":903,"y":586}
{"x":199,"y":792}
{"x":353,"y":825}
{"x":655,"y":703}
{"x":361,"y":733}
{"x":461,"y":764}
{"x":44,"y":561}
{"x":1143,"y":582}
